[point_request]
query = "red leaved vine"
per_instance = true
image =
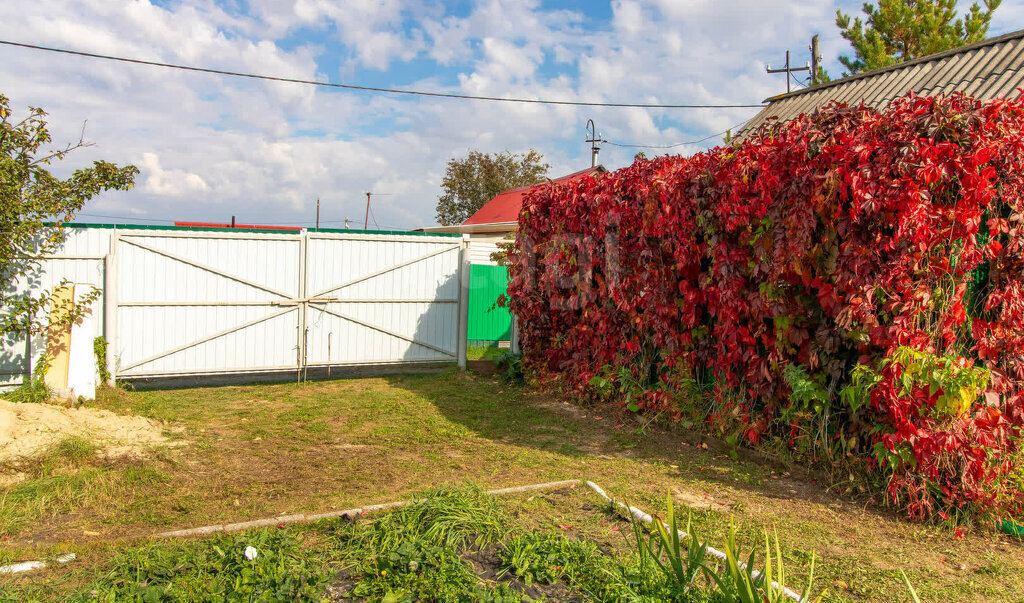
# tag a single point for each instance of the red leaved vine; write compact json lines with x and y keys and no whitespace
{"x":853,"y":278}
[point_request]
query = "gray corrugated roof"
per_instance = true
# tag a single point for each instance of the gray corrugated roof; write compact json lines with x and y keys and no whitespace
{"x":988,"y":69}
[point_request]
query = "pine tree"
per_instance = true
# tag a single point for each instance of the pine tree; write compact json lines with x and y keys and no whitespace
{"x":901,"y":30}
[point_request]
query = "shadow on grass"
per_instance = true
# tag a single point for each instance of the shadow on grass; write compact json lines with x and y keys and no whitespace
{"x":542,"y":420}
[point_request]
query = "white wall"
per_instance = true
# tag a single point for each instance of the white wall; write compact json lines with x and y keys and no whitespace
{"x":482,"y":245}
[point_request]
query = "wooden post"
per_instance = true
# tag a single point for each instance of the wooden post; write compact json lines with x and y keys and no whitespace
{"x":815,"y":65}
{"x":514,"y":344}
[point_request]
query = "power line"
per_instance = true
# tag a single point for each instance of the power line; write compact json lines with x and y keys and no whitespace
{"x":125,"y":218}
{"x":373,"y":88}
{"x":678,"y":144}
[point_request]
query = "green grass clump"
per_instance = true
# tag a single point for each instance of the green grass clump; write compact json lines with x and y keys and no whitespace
{"x":415,"y":552}
{"x":419,"y":553}
{"x":216,"y":569}
{"x":33,"y":391}
{"x":485,"y":352}
{"x":72,"y":450}
{"x":448,"y":517}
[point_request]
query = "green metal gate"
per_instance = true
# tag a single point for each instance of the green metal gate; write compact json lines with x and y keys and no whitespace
{"x":487,"y":322}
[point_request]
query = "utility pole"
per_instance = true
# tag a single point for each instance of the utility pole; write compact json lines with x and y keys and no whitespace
{"x":366,"y":222}
{"x":814,"y":67}
{"x":788,"y":70}
{"x":815,"y":61}
{"x":595,"y":140}
{"x":318,"y":213}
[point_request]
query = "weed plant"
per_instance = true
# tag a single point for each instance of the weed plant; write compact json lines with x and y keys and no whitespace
{"x":264,"y":565}
{"x":33,"y":391}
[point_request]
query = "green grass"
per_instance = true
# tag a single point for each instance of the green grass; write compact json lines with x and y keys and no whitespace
{"x":492,"y":352}
{"x":214,"y":569}
{"x":261,"y":450}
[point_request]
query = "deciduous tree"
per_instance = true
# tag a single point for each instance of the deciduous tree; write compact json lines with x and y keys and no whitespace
{"x":474,"y":180}
{"x":33,"y":203}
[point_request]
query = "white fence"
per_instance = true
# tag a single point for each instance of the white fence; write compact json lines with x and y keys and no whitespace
{"x":179,"y":302}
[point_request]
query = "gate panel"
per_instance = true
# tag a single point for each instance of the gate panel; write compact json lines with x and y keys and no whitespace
{"x":192,"y":303}
{"x":379,"y":299}
{"x":78,"y":261}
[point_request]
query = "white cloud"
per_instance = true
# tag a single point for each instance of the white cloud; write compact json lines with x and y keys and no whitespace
{"x":171,"y":183}
{"x":212,"y":146}
{"x":628,"y":17}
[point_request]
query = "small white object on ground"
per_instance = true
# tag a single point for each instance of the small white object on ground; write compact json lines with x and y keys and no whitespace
{"x":27,"y":566}
{"x":251,"y":553}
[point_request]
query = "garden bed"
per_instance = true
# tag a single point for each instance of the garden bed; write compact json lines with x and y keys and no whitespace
{"x":453,"y":544}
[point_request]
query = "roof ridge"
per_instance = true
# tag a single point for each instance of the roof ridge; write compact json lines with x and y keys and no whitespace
{"x":903,"y":65}
{"x":546,"y":180}
{"x":498,"y":205}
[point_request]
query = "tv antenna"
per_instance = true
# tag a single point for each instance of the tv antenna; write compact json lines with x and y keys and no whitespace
{"x":595,"y":140}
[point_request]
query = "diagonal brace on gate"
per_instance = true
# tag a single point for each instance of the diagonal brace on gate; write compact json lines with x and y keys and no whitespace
{"x":205,"y":339}
{"x":387,"y":331}
{"x":367,"y":277}
{"x":202,"y":266}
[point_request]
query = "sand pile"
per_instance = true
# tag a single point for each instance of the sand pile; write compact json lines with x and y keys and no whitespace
{"x":27,"y":429}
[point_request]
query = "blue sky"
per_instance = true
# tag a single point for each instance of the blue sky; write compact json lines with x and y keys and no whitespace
{"x":210,"y":147}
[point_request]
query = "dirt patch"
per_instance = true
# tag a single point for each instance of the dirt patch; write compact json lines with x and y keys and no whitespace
{"x":482,"y":367}
{"x":28,"y":429}
{"x":701,"y":502}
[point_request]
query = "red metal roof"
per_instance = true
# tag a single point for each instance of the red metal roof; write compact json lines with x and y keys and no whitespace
{"x":247,"y":226}
{"x":505,"y":206}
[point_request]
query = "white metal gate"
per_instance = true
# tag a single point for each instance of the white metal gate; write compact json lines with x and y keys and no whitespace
{"x":218,"y":302}
{"x":383,"y":299}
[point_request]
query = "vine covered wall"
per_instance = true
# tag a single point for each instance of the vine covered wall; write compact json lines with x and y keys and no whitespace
{"x":848,"y":285}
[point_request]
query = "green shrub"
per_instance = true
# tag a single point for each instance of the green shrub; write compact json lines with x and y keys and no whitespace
{"x":99,"y":347}
{"x":510,"y":367}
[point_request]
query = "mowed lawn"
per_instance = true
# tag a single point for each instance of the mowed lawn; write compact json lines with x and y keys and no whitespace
{"x":250,"y":452}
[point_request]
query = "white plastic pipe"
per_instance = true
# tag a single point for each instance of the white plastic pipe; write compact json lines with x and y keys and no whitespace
{"x":28,"y":566}
{"x":644,"y":517}
{"x":302,"y":518}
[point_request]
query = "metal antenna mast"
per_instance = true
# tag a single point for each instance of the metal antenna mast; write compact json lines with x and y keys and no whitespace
{"x":366,"y":222}
{"x":595,"y":140}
